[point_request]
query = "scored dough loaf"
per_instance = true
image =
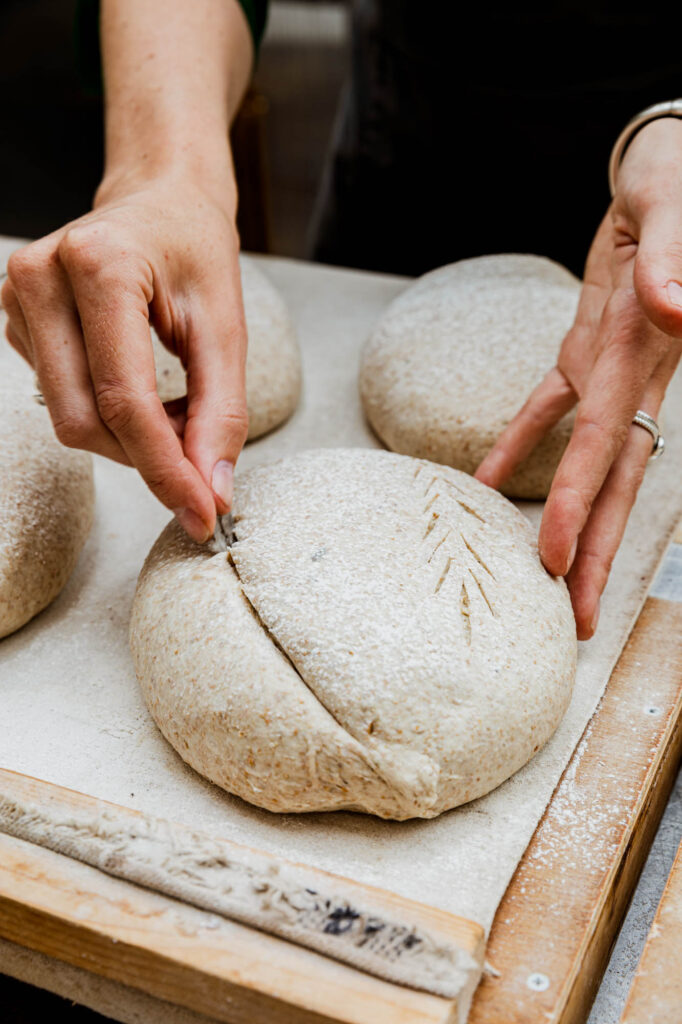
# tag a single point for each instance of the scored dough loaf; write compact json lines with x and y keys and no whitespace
{"x":455,"y":356}
{"x":381,"y":637}
{"x":46,"y":505}
{"x":273,"y":358}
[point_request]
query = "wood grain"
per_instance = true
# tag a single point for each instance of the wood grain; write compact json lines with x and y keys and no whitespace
{"x":78,"y":914}
{"x":554,"y":929}
{"x":229,"y":972}
{"x":656,"y":993}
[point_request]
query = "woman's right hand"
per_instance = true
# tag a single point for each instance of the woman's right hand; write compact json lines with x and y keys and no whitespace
{"x":79,"y":303}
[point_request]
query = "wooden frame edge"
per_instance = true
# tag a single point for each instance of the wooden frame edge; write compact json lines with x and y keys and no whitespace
{"x":66,"y":909}
{"x":560,"y":916}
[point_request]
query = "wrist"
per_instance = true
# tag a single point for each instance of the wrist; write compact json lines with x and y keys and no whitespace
{"x":655,"y":134}
{"x":185,"y":164}
{"x":654,"y":112}
{"x":652,"y":158}
{"x":172,"y":86}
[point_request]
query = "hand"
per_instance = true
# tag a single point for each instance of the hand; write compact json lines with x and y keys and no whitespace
{"x":618,"y":357}
{"x":79,"y":304}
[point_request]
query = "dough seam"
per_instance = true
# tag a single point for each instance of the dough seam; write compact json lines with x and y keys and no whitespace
{"x":268,"y":632}
{"x":369,"y":757}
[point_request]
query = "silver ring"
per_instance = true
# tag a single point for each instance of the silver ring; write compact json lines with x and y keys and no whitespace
{"x":643,"y":419}
{"x":39,"y":398}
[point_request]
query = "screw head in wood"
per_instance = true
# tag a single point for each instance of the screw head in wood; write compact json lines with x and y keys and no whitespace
{"x":537,"y":982}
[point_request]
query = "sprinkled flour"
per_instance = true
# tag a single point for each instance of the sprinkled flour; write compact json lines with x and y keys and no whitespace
{"x":381,"y":636}
{"x":46,"y":504}
{"x":454,"y":357}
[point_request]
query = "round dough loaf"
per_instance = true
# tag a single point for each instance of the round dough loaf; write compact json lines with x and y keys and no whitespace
{"x":46,"y":505}
{"x":273,"y":359}
{"x":455,"y":356}
{"x":381,"y":637}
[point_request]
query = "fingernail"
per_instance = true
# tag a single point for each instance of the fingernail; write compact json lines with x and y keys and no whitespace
{"x":571,"y":556}
{"x":192,"y":524}
{"x":595,"y":619}
{"x":222,"y":481}
{"x":674,"y":291}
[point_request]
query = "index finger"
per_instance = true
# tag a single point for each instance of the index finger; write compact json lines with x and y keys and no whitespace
{"x":551,"y":399}
{"x":612,"y":396}
{"x":113,"y":309}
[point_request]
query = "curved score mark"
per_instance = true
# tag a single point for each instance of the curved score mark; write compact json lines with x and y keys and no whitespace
{"x":477,"y":556}
{"x":464,"y":600}
{"x":432,"y":523}
{"x":465,"y":612}
{"x":444,"y":573}
{"x":483,"y":593}
{"x":441,"y":541}
{"x":471,"y":511}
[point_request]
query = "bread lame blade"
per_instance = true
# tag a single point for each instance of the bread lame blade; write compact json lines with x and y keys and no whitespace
{"x":224,"y":535}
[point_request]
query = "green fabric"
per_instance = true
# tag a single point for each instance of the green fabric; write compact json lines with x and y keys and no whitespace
{"x":256,"y":12}
{"x":86,"y":38}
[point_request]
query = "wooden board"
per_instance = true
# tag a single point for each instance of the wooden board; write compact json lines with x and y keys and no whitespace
{"x":552,"y":934}
{"x":656,"y":993}
{"x":41,"y":896}
{"x":231,"y":973}
{"x":188,"y":956}
{"x":560,"y":916}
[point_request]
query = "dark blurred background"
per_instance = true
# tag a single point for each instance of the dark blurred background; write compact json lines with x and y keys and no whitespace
{"x":51,"y":149}
{"x":458,"y":137}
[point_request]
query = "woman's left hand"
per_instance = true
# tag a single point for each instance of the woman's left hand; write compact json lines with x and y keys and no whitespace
{"x":618,"y":357}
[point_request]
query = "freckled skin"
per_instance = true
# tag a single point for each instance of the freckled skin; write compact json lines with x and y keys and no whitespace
{"x":273,"y":359}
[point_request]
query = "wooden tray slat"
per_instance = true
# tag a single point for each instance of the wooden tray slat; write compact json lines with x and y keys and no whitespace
{"x":656,"y":993}
{"x":186,"y":956}
{"x":555,"y":927}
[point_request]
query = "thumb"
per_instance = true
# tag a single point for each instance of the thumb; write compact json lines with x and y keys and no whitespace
{"x":217,"y":421}
{"x":658,"y":268}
